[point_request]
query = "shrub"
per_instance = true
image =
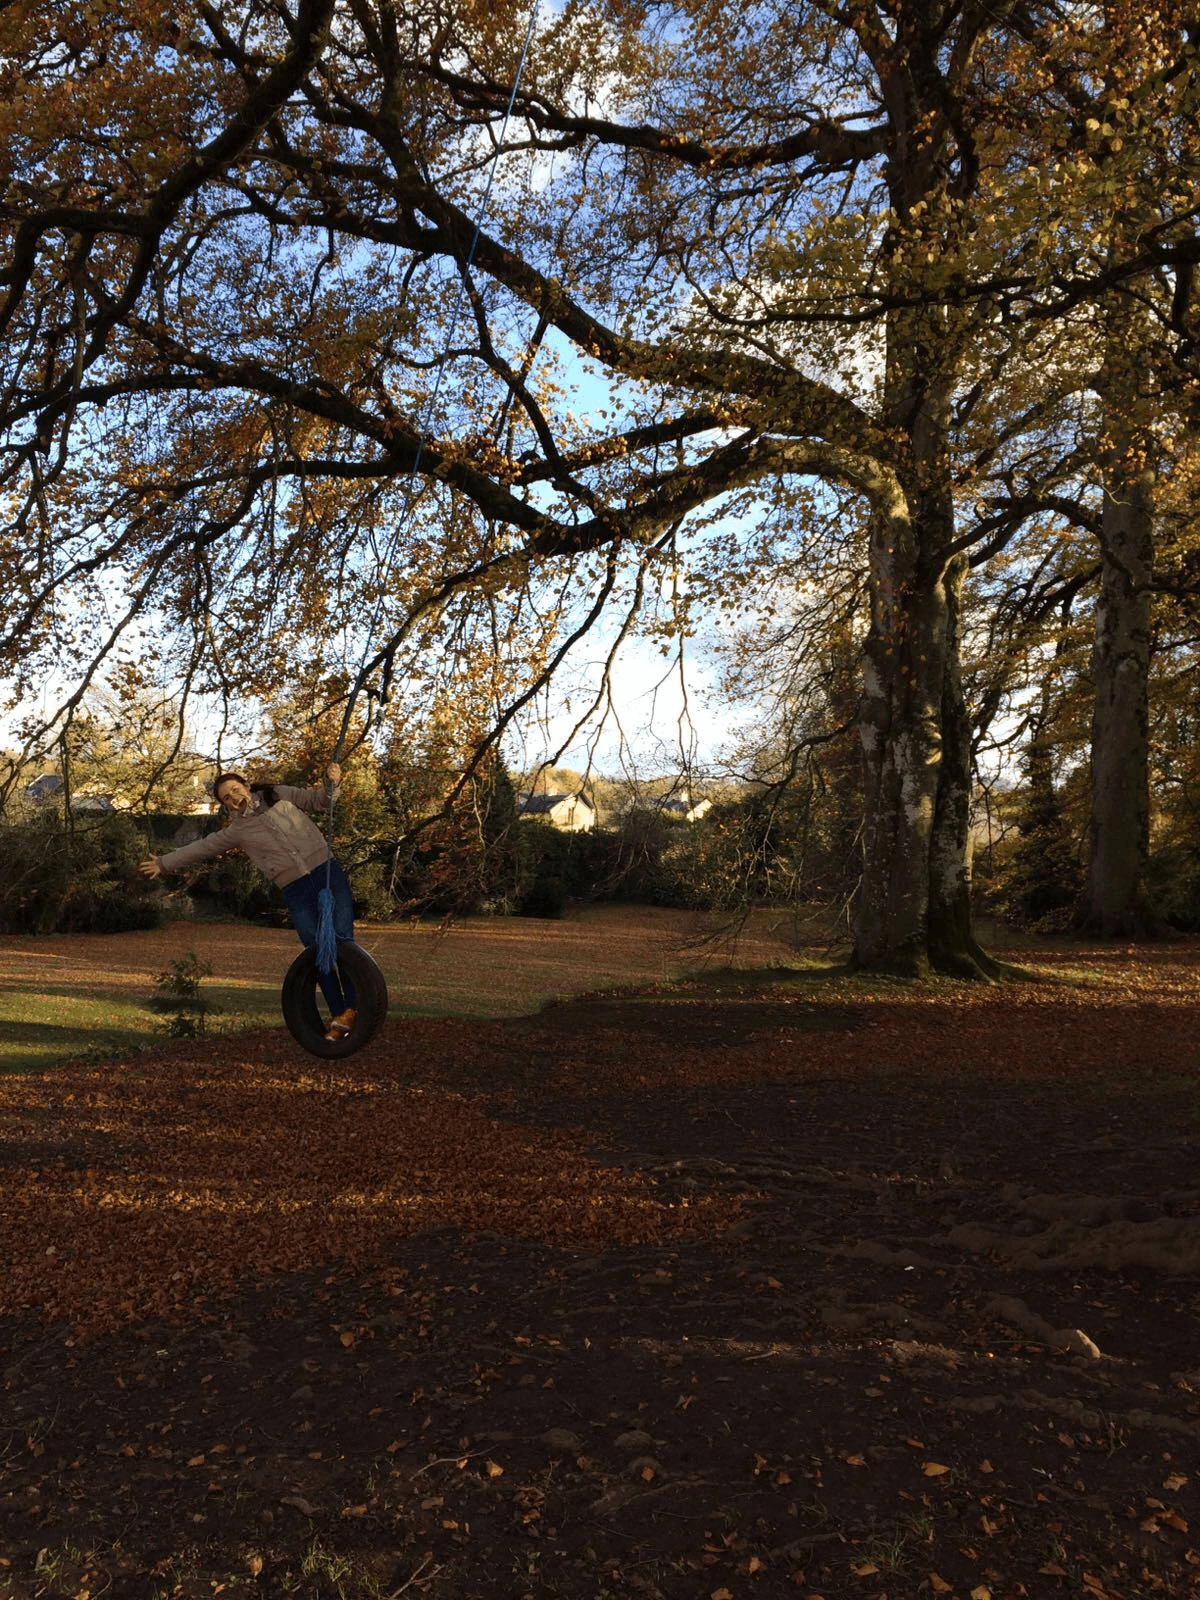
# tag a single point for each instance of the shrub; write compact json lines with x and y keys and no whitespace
{"x":75,"y":878}
{"x":753,"y":851}
{"x":549,"y":886}
{"x":1038,"y":879}
{"x":594,"y":865}
{"x":474,"y":857}
{"x":187,"y":1010}
{"x":372,"y":897}
{"x":1173,"y":885}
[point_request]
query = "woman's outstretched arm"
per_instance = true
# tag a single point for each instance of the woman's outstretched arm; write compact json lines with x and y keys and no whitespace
{"x":313,"y":799}
{"x":189,"y":855}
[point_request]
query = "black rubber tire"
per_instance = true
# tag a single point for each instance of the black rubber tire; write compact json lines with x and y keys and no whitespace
{"x":299,"y":1001}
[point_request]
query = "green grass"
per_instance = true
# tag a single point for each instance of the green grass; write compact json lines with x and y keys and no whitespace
{"x":58,"y":1021}
{"x":68,"y":996}
{"x":64,"y":996}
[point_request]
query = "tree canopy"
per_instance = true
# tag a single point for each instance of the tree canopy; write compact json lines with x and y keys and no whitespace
{"x":794,"y":275}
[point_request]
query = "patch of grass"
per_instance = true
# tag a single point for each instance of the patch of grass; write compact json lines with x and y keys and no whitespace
{"x":66,"y":997}
{"x":753,"y":980}
{"x":338,"y":1575}
{"x":1067,"y":974}
{"x":61,"y":1022}
{"x":39,"y":1029}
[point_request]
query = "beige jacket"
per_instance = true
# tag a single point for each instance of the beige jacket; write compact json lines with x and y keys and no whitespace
{"x":279,"y":839}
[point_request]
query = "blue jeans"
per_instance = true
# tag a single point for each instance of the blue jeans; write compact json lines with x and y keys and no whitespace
{"x":303,"y":905}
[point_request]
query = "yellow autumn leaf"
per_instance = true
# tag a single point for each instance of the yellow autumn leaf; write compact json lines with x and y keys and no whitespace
{"x":494,"y":1469}
{"x":1175,"y":1481}
{"x":981,"y":1593}
{"x":938,"y":1584}
{"x":934,"y":1469}
{"x":865,"y":1569}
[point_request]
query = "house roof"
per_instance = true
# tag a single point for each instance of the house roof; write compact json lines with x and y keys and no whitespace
{"x":42,"y":788}
{"x":685,"y":806}
{"x":85,"y":799}
{"x":538,"y":805}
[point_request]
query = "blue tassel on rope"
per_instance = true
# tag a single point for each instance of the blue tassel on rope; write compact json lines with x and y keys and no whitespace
{"x":326,"y":937}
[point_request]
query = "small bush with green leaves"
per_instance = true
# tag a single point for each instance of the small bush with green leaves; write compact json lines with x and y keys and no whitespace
{"x":186,"y":1009}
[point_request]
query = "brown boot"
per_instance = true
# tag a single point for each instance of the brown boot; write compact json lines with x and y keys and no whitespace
{"x":341,"y":1025}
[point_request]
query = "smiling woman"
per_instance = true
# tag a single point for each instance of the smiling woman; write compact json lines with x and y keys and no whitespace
{"x":268,"y":824}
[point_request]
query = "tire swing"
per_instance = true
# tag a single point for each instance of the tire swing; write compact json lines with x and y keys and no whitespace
{"x":301,"y":1011}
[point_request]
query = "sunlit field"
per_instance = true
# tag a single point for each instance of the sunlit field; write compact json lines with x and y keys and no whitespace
{"x":64,"y":996}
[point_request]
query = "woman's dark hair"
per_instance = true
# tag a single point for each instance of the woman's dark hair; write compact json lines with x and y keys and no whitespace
{"x":267,"y":790}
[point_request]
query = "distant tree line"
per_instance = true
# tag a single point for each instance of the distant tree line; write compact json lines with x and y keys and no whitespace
{"x":787,"y":840}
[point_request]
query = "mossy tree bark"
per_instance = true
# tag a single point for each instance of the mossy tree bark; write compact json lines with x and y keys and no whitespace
{"x":1115,"y":903}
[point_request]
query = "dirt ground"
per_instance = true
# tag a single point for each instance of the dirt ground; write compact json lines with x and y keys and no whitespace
{"x":734,"y":1287}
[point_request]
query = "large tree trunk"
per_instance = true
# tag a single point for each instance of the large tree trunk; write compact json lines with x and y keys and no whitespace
{"x":914,"y":909}
{"x":953,"y":947}
{"x":1114,"y":902}
{"x":900,"y":725}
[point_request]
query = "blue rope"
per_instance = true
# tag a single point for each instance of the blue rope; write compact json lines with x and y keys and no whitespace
{"x":326,"y":934}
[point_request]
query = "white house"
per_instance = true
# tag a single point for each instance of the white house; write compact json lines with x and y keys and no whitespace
{"x":50,"y":785}
{"x":573,"y":813}
{"x":684,"y":807}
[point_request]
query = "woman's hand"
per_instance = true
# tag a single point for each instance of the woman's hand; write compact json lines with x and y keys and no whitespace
{"x":150,"y":867}
{"x":333,"y":773}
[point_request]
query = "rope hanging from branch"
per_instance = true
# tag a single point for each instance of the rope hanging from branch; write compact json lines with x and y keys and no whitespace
{"x":327,"y":944}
